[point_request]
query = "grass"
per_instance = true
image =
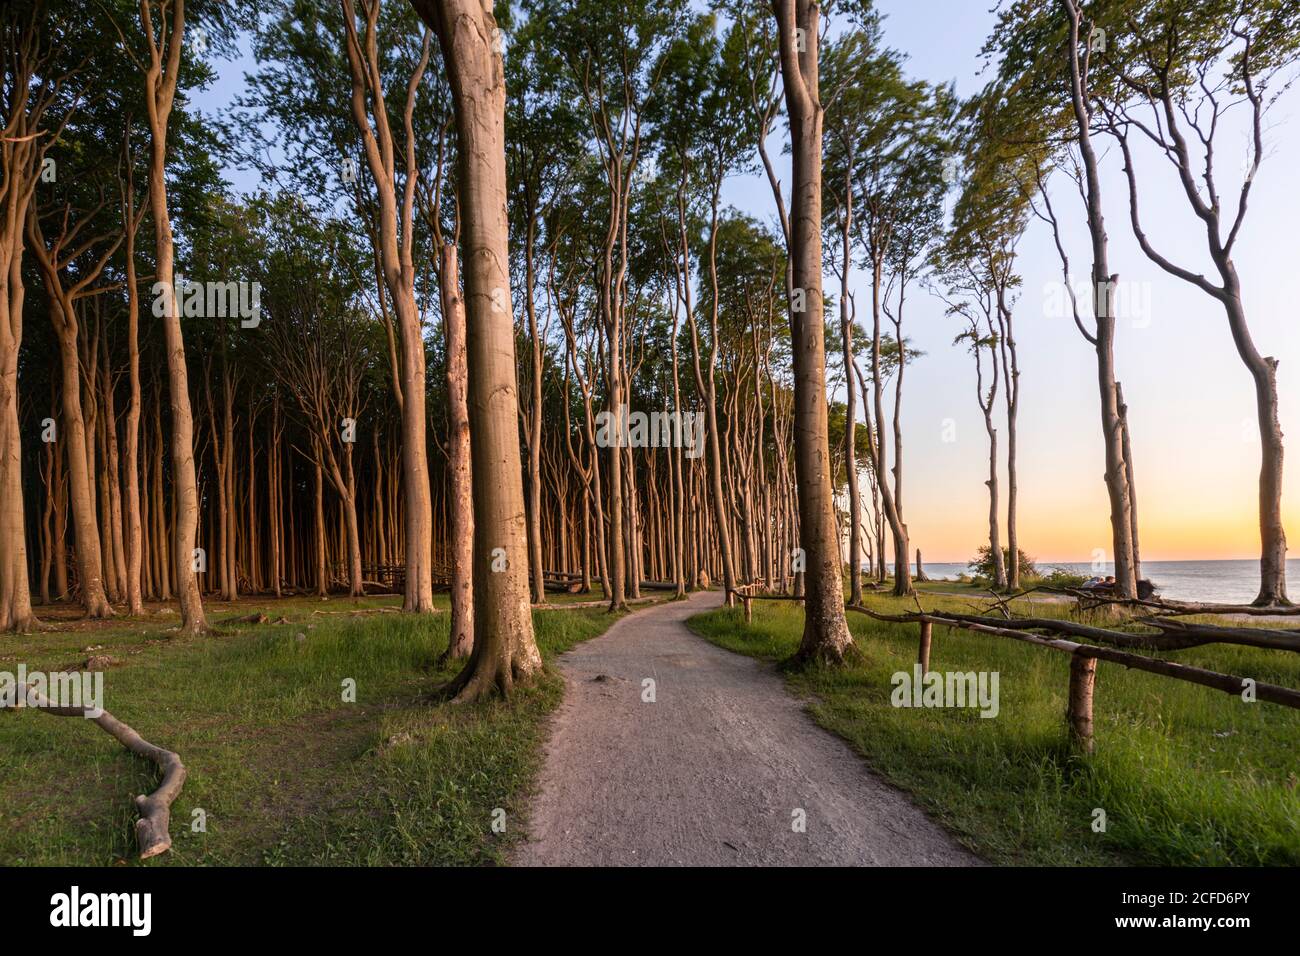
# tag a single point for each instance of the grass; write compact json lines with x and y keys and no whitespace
{"x":1185,"y":775}
{"x":281,"y":769}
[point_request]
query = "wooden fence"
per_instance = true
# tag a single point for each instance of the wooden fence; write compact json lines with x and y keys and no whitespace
{"x":1084,"y":657}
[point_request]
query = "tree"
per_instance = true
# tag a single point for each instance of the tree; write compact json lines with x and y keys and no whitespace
{"x":701,"y":119}
{"x":165,"y":43}
{"x":1177,"y":75}
{"x":80,"y":244}
{"x":395,"y":239}
{"x":887,"y":148}
{"x":543,"y":144}
{"x":35,"y":80}
{"x":973,"y":295}
{"x":989,"y":219}
{"x":984,"y":565}
{"x":826,"y":635}
{"x":1045,"y":98}
{"x":505,"y":652}
{"x":317,"y":340}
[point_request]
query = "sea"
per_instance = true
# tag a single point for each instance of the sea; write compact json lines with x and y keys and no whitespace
{"x":1222,"y":582}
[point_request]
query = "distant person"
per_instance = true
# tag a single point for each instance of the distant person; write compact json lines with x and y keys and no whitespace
{"x":1093,"y":582}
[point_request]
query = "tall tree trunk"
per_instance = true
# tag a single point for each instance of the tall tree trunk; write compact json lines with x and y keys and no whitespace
{"x":1011,"y":374}
{"x":1263,"y":372}
{"x":1103,"y":284}
{"x":318,"y":487}
{"x":134,"y":532}
{"x":461,"y":531}
{"x":15,"y":593}
{"x":90,"y":568}
{"x":995,"y":537}
{"x":826,"y":635}
{"x":902,"y":566}
{"x":395,"y":236}
{"x":160,"y":91}
{"x":1132,"y":481}
{"x":850,"y":405}
{"x":534,"y":421}
{"x":505,"y":652}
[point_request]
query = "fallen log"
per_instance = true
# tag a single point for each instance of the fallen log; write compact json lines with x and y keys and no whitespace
{"x":153,"y":829}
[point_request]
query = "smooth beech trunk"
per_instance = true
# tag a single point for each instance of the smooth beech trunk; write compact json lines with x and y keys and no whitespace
{"x":826,"y":634}
{"x":395,"y":258}
{"x":461,"y":531}
{"x":850,"y":404}
{"x":1011,"y":373}
{"x":708,"y":389}
{"x":160,"y":91}
{"x":534,"y":417}
{"x":15,"y":594}
{"x":131,"y":474}
{"x":902,"y":567}
{"x":73,"y":428}
{"x":1103,"y":299}
{"x":505,"y":652}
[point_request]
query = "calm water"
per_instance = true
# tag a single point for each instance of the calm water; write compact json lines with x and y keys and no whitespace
{"x":1227,"y":582}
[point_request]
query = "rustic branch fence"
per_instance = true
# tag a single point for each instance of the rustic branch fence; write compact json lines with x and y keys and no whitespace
{"x":1084,"y":657}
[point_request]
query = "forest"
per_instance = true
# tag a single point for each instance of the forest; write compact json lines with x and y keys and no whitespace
{"x":448,"y":317}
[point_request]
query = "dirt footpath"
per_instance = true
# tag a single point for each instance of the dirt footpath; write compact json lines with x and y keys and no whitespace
{"x":718,"y":769}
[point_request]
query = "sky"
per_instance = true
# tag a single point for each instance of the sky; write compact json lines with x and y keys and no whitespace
{"x":1191,"y":401}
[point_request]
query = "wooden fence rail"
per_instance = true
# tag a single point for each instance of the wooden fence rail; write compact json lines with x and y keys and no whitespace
{"x":1083,"y":657}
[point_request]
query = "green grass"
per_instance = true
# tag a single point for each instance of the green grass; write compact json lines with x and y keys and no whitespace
{"x":285,"y":771}
{"x":1186,"y":775}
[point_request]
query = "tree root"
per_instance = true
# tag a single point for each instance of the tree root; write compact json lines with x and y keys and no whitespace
{"x":479,"y":680}
{"x":152,"y":830}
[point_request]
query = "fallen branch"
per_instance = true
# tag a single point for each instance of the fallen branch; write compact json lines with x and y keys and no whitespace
{"x":366,"y":610}
{"x":152,"y":830}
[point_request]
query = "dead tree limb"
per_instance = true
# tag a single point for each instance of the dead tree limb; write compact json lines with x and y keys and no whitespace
{"x":152,"y":830}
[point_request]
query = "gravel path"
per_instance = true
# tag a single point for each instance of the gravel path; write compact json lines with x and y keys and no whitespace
{"x":713,"y":771}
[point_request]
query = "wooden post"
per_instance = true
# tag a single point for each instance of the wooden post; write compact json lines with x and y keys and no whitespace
{"x":749,"y":612}
{"x":923,"y":655}
{"x":1083,"y":675}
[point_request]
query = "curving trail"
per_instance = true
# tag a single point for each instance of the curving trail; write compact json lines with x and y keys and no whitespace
{"x":712,"y":771}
